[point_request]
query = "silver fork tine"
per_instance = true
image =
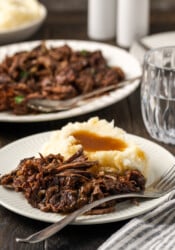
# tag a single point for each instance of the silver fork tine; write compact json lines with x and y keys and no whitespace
{"x":166,"y":180}
{"x":163,"y":181}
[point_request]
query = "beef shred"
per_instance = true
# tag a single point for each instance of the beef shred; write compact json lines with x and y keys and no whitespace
{"x":55,"y":73}
{"x":53,"y":184}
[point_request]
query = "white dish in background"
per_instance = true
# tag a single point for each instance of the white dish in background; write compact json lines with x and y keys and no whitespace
{"x":159,"y":160}
{"x":152,"y":41}
{"x":115,"y":57}
{"x":23,"y":31}
{"x":160,"y":40}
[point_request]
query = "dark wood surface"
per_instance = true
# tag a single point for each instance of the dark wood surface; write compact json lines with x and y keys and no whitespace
{"x":125,"y":113}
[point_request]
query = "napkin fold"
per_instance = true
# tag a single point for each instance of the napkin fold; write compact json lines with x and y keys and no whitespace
{"x":154,"y":230}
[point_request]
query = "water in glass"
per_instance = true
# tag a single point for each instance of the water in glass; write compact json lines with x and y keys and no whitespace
{"x":158,"y":94}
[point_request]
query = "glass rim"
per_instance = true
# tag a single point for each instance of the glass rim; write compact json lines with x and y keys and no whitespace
{"x":153,"y":50}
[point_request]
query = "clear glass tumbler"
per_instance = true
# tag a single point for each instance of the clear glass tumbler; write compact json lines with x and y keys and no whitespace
{"x":158,"y":94}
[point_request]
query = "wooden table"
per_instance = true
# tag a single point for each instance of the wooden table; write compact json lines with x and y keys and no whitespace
{"x":125,"y":113}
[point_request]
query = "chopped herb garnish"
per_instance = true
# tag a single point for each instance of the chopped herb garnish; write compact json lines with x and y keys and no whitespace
{"x":23,"y":74}
{"x":84,"y":52}
{"x":19,"y":99}
{"x":93,"y":71}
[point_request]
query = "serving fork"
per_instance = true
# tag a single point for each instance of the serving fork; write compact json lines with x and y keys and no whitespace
{"x":46,"y":105}
{"x":162,"y":186}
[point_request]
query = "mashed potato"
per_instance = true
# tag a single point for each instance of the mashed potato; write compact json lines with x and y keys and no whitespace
{"x":15,"y":13}
{"x":101,"y":141}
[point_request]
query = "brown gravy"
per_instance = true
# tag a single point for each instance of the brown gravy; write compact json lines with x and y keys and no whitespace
{"x":92,"y":142}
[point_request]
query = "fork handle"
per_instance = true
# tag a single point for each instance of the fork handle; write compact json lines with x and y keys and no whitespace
{"x":56,"y":227}
{"x":45,"y":105}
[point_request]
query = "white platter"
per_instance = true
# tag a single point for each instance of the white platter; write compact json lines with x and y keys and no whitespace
{"x":159,"y":160}
{"x":114,"y":56}
{"x":160,"y":40}
{"x":151,"y":42}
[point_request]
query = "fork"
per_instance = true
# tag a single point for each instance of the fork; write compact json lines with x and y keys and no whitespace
{"x":46,"y":105}
{"x":159,"y":188}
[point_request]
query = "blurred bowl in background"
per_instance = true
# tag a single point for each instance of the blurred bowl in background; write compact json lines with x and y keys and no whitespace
{"x":24,"y":31}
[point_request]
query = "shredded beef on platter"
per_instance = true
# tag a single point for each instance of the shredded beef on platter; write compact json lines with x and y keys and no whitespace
{"x":56,"y":73}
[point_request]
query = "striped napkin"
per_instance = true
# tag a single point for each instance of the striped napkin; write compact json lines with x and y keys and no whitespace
{"x":154,"y":230}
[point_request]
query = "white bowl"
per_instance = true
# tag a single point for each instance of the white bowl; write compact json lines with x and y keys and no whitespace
{"x":24,"y":31}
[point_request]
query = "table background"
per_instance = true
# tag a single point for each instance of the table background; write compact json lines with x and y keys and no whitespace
{"x":126,"y":114}
{"x":71,"y":5}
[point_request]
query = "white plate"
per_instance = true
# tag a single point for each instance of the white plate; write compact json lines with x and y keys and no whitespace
{"x":153,"y":41}
{"x":114,"y":56}
{"x":160,"y":40}
{"x":159,"y":160}
{"x":24,"y":31}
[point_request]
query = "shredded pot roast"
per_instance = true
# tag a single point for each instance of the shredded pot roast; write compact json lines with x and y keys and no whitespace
{"x":53,"y":73}
{"x":54,"y":184}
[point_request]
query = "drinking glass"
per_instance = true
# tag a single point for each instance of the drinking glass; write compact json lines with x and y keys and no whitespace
{"x":158,"y":94}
